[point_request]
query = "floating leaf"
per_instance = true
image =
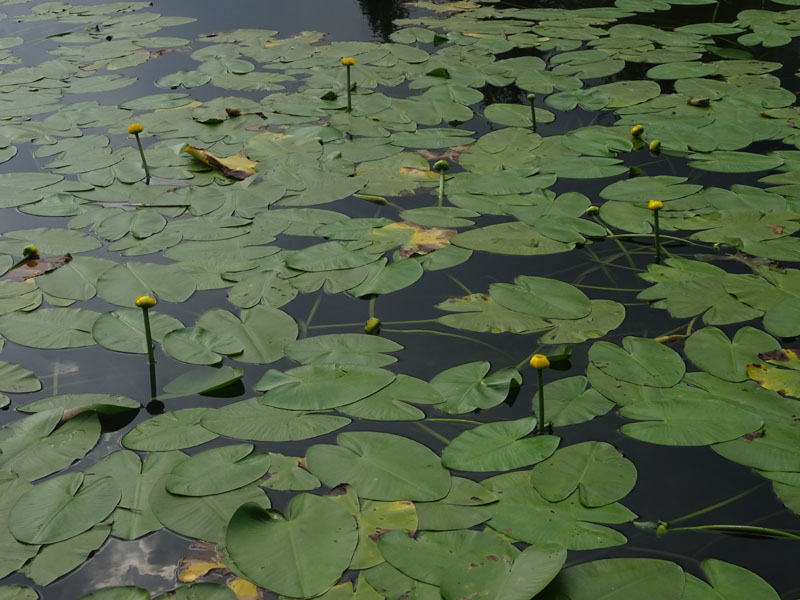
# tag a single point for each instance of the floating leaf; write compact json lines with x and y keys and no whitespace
{"x":467,"y":387}
{"x":781,"y":373}
{"x":500,"y":446}
{"x":711,"y":350}
{"x":217,"y":470}
{"x":133,"y":517}
{"x":618,"y":579}
{"x":55,"y":560}
{"x":263,"y":331}
{"x":687,"y":421}
{"x":201,"y":381}
{"x":523,"y":514}
{"x":62,"y":507}
{"x":542,"y":297}
{"x":50,"y":327}
{"x":35,"y":446}
{"x":202,"y":517}
{"x":600,"y":474}
{"x":123,"y":330}
{"x":643,"y":362}
{"x":321,"y":534}
{"x":237,"y":166}
{"x":317,"y":387}
{"x":381,"y":466}
{"x":170,"y":431}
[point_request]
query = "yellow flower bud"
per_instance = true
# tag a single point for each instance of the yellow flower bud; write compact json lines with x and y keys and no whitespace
{"x":348,"y":61}
{"x":135,"y":128}
{"x":30,"y":252}
{"x":539,"y":361}
{"x":637,"y":131}
{"x":655,"y":146}
{"x":655,"y":205}
{"x":372,"y":326}
{"x":441,"y":165}
{"x":145,"y":301}
{"x":593,"y":210}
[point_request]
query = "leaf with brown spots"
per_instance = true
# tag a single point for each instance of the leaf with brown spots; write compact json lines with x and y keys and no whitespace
{"x":781,"y":373}
{"x":37,"y":266}
{"x":236,"y":166}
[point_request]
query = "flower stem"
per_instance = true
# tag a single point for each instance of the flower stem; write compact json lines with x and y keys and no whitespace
{"x":658,"y":236}
{"x":540,"y":381}
{"x":349,"y":104}
{"x":144,"y":160}
{"x":147,"y":335}
{"x":441,"y":188}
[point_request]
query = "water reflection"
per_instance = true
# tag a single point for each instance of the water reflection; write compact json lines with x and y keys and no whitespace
{"x":380,"y":14}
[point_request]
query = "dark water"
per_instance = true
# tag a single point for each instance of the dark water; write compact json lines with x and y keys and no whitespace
{"x":672,"y":481}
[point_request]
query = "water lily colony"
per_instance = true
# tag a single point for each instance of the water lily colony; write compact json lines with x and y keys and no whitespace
{"x":280,"y":175}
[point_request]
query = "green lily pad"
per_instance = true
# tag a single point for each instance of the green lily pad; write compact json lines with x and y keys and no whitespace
{"x":467,"y":387}
{"x":618,"y":578}
{"x":124,"y":330}
{"x":217,"y":470}
{"x":711,"y":350}
{"x":322,"y":534}
{"x":500,"y":446}
{"x":643,"y":362}
{"x":202,"y":517}
{"x":50,"y":327}
{"x":133,"y":517}
{"x":542,"y":297}
{"x":62,"y":507}
{"x":170,"y":431}
{"x":596,"y":469}
{"x":381,"y":466}
{"x":688,"y":421}
{"x":201,"y":381}
{"x":321,"y":386}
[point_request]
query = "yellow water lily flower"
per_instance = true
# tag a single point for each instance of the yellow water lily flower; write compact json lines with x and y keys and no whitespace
{"x":637,"y":130}
{"x":145,"y":301}
{"x":655,"y":205}
{"x":539,"y":361}
{"x":135,"y":128}
{"x":348,"y":61}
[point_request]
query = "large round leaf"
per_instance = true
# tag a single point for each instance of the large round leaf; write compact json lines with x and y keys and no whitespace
{"x":263,"y":331}
{"x":34,"y":447}
{"x":62,"y":507}
{"x":50,"y":327}
{"x":600,"y":474}
{"x":300,"y":556}
{"x":13,"y":553}
{"x":133,"y":517}
{"x":643,"y":362}
{"x":778,"y":449}
{"x":523,"y":514}
{"x":467,"y":387}
{"x":321,"y":386}
{"x":542,"y":297}
{"x":500,"y":446}
{"x":711,"y":350}
{"x":217,"y":470}
{"x":688,"y":421}
{"x":101,"y":403}
{"x":619,"y":579}
{"x":201,"y":517}
{"x":123,"y":330}
{"x":251,"y":420}
{"x":381,"y":466}
{"x":125,"y":282}
{"x":127,"y":592}
{"x":170,"y":431}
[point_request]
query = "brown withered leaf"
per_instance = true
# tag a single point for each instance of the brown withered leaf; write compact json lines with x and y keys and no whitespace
{"x":452,"y":153}
{"x":420,"y":239}
{"x":237,"y":166}
{"x":37,"y":266}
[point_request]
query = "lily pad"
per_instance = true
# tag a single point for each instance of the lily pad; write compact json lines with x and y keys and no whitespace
{"x":381,"y":466}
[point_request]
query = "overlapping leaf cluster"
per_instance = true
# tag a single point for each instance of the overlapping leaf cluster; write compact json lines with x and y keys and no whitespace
{"x":392,"y":509}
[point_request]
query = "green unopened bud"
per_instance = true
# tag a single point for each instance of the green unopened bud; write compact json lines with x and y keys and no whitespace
{"x":592,"y":210}
{"x":372,"y":326}
{"x":655,"y":146}
{"x":531,"y":97}
{"x":441,"y":165}
{"x":30,"y":252}
{"x":662,"y":528}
